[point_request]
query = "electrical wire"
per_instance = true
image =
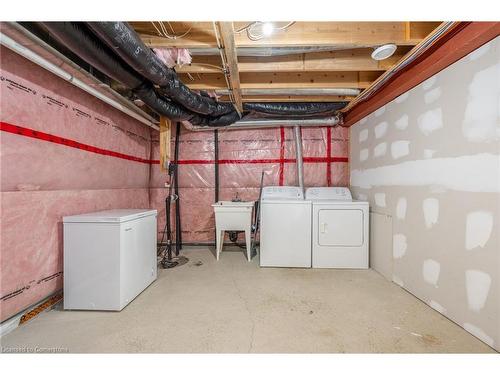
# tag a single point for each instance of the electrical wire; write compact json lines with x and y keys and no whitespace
{"x":255,"y":37}
{"x":224,"y":64}
{"x":162,"y":30}
{"x":208,"y":65}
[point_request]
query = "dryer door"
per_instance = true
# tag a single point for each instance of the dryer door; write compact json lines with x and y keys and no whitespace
{"x":340,"y":227}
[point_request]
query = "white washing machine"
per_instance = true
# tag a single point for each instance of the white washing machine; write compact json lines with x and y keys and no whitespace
{"x":339,"y":228}
{"x":285,"y":227}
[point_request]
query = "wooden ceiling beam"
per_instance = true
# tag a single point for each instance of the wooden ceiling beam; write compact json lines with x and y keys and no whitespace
{"x":285,"y":80}
{"x":227,"y":34}
{"x":348,"y":60}
{"x":340,"y":34}
{"x":292,"y":98}
{"x":464,"y":39}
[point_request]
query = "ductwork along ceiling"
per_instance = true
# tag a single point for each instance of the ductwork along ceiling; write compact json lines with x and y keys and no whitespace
{"x":302,"y":77}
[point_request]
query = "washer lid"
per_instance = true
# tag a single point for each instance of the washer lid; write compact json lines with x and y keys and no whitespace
{"x":110,"y":216}
{"x":329,"y":193}
{"x":282,"y":192}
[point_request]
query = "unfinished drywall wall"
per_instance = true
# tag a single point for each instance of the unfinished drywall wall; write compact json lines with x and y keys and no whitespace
{"x":59,"y":157}
{"x":430,"y":160}
{"x":243,"y":155}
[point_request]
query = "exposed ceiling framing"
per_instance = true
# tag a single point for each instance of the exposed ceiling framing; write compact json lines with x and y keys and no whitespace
{"x":307,"y":56}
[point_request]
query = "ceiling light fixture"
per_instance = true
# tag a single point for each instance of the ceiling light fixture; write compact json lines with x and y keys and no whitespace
{"x":384,"y":52}
{"x":258,"y":29}
{"x":267,"y":28}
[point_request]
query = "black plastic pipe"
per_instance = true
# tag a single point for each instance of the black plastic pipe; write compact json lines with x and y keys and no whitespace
{"x":216,"y":164}
{"x":178,"y":227}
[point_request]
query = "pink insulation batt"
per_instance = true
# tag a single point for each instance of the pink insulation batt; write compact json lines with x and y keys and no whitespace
{"x":243,"y":155}
{"x":43,"y":180}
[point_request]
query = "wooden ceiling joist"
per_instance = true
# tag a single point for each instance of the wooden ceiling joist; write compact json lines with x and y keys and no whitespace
{"x":227,"y":34}
{"x":285,"y":80}
{"x":340,"y":34}
{"x":292,"y":98}
{"x":297,"y":64}
{"x":467,"y":37}
{"x":348,"y":60}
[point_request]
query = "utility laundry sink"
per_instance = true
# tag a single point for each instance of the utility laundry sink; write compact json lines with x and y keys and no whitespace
{"x":235,"y":216}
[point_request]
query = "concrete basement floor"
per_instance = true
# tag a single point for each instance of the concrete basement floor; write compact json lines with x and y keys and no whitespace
{"x":233,"y":306}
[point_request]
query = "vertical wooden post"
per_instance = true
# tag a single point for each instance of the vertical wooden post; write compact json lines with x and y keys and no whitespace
{"x":165,"y":133}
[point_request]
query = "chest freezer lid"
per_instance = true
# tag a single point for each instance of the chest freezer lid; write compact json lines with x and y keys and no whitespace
{"x":329,"y":193}
{"x":282,"y":193}
{"x":110,"y":216}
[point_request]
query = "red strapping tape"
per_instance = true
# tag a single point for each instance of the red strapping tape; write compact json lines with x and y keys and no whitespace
{"x":31,"y":133}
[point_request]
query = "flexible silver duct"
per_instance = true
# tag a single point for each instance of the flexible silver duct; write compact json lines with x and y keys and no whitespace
{"x":272,"y":51}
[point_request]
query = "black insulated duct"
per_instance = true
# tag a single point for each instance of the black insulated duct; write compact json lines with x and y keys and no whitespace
{"x":123,"y":39}
{"x":85,"y":45}
{"x":295,"y":109}
{"x":129,"y":46}
{"x":78,"y":39}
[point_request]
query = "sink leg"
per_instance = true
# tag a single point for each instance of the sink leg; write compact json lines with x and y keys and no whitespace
{"x":219,"y":242}
{"x":249,"y":244}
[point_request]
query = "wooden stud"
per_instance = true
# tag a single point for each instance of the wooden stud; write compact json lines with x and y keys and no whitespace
{"x":165,"y":134}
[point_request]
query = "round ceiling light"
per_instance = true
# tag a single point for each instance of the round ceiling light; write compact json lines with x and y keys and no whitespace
{"x":383,"y":52}
{"x":267,"y":28}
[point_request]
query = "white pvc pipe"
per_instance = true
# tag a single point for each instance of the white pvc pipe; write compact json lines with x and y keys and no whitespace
{"x":37,"y":59}
{"x":269,"y":123}
{"x":295,"y":92}
{"x":298,"y":154}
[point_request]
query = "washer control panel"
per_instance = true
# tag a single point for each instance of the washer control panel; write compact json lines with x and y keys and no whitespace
{"x":282,"y":192}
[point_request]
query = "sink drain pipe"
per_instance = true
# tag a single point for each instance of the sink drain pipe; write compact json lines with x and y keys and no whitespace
{"x":299,"y":159}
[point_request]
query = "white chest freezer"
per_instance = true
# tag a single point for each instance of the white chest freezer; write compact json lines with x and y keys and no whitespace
{"x":109,"y":258}
{"x":285,"y":227}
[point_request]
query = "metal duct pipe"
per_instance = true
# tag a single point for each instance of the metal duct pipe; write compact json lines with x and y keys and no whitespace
{"x":298,"y":152}
{"x":271,"y":123}
{"x":37,"y":59}
{"x":294,"y":92}
{"x":273,"y":51}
